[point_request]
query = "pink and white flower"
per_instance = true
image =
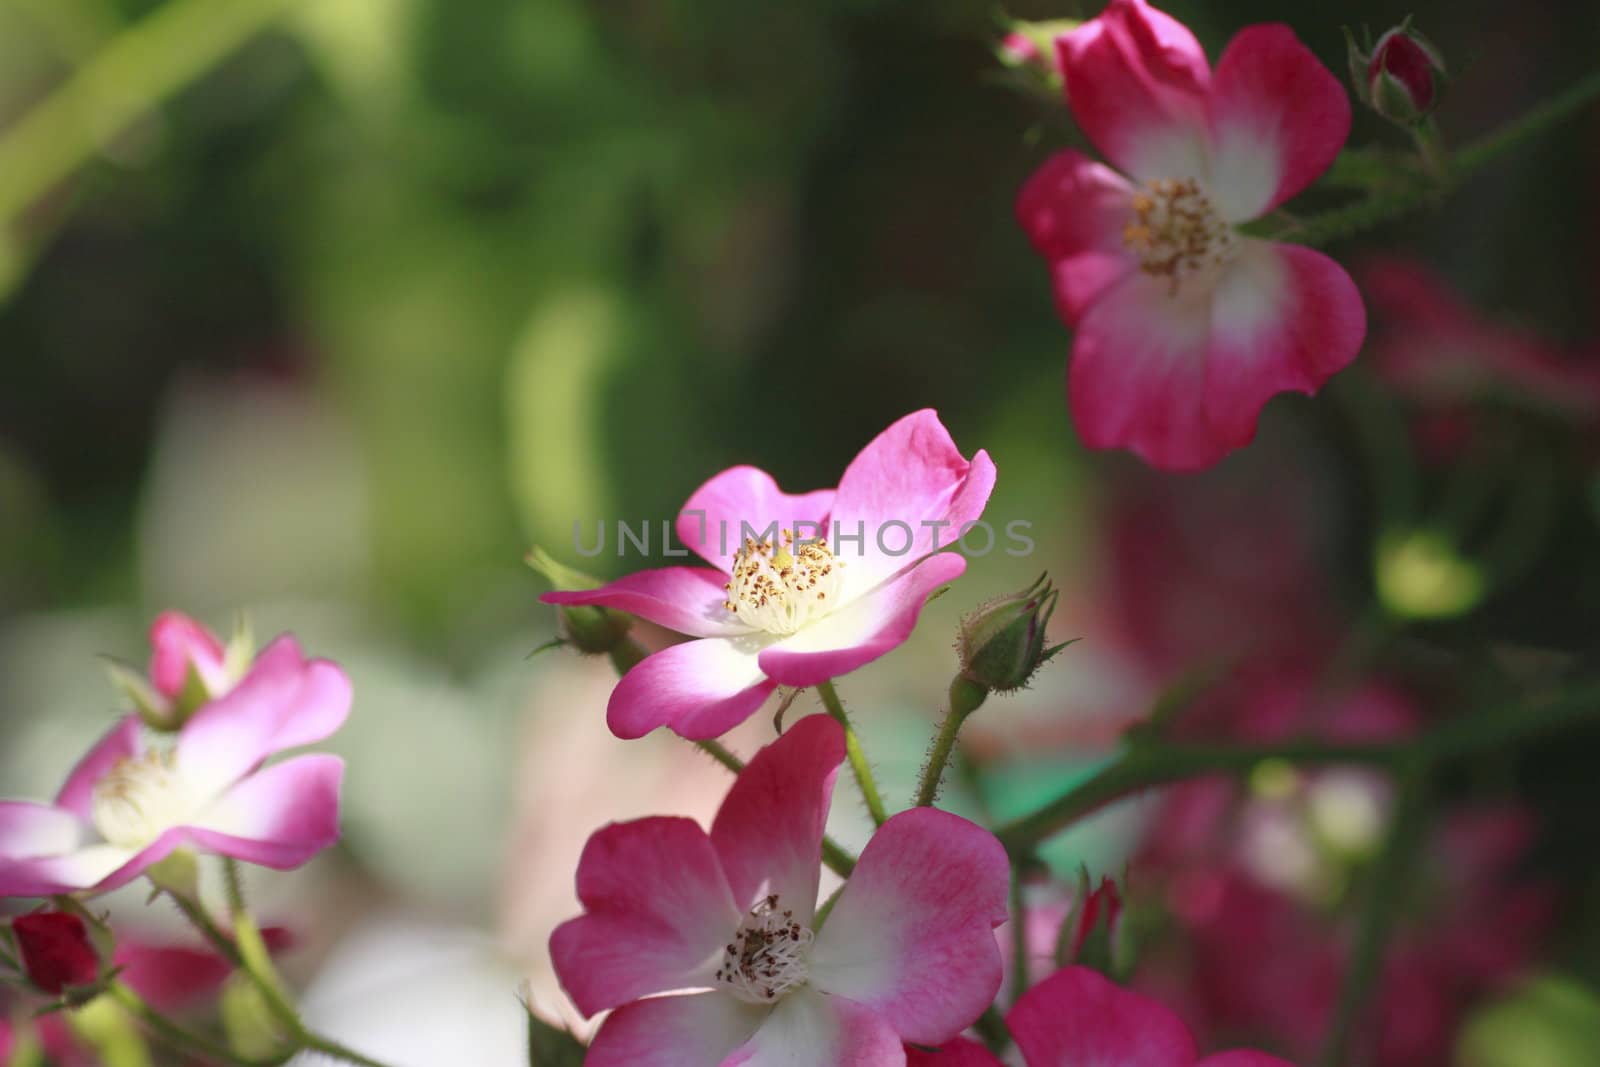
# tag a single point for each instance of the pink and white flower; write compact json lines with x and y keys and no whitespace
{"x":1079,"y":1018}
{"x":708,"y":949}
{"x":782,"y":607}
{"x":1185,"y":327}
{"x":127,"y":806}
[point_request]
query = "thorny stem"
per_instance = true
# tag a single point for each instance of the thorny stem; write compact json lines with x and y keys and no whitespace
{"x":857,"y":757}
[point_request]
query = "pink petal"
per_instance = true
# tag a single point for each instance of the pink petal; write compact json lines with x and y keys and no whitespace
{"x":862,"y":630}
{"x":957,"y":1053}
{"x":686,"y":599}
{"x":698,"y":689}
{"x":698,"y":1030}
{"x":279,"y":817}
{"x":912,"y":935}
{"x":1077,"y":1016}
{"x":29,"y":830}
{"x":283,"y":702}
{"x":1137,"y":83}
{"x":768,"y":832}
{"x":169,"y":977}
{"x":808,"y":1030}
{"x":910,"y":474}
{"x":1243,"y":1059}
{"x":740,"y":502}
{"x":1074,"y":210}
{"x":176,"y":641}
{"x":1284,"y":318}
{"x":1138,"y":373}
{"x":119,"y":743}
{"x":1278,"y":118}
{"x":99,"y":868}
{"x":657,"y":912}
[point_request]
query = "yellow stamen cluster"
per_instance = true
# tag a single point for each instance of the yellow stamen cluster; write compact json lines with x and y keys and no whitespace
{"x":781,"y":587}
{"x":1176,"y":231}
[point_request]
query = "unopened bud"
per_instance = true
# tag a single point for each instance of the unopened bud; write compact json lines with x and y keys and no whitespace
{"x":189,"y":668}
{"x":57,"y":954}
{"x":1093,"y":934}
{"x":590,"y":629}
{"x":1030,"y":49}
{"x":1002,"y":642}
{"x":1400,"y":77}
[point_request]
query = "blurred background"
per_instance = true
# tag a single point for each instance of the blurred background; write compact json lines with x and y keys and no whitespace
{"x":326,"y":312}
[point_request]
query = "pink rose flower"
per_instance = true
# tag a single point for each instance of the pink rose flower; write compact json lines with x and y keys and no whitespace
{"x":1184,"y":327}
{"x":1079,"y":1017}
{"x":907,"y":953}
{"x":783,"y":607}
{"x":126,"y":807}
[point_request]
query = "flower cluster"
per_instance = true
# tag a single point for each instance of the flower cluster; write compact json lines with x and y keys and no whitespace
{"x":183,"y":775}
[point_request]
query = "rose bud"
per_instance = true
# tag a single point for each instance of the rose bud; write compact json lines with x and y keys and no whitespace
{"x":1401,"y":77}
{"x":591,"y":629}
{"x":1002,"y":642}
{"x":56,"y":952}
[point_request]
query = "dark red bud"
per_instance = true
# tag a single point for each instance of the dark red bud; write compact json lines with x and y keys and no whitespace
{"x":56,"y":952}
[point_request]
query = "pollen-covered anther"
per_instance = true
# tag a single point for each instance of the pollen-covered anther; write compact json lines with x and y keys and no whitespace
{"x":779,"y":586}
{"x":1176,"y":231}
{"x":140,"y":798}
{"x":768,"y":956}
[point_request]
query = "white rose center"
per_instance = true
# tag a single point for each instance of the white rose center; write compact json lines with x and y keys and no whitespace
{"x":781,"y":587}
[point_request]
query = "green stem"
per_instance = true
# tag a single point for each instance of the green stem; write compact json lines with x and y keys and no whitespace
{"x":256,"y":962}
{"x":196,"y":913}
{"x":1145,"y":766}
{"x":142,"y":66}
{"x":254,"y":959}
{"x":719,"y":752}
{"x":1378,"y":917}
{"x":178,"y":1038}
{"x":1019,"y":936}
{"x":1385,"y":207}
{"x":1531,"y":123}
{"x":965,"y":698}
{"x":858,"y":758}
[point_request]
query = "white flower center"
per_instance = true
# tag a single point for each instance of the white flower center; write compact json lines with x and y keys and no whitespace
{"x":767,"y":956}
{"x":781,"y":588}
{"x":1176,"y":231}
{"x":139,"y":799}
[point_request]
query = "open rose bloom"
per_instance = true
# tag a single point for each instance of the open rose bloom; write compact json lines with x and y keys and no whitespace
{"x":1185,"y":327}
{"x":831,"y":580}
{"x":709,"y":950}
{"x":1078,"y":1018}
{"x":129,"y":804}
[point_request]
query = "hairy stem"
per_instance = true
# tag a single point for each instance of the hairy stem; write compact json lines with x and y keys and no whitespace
{"x":857,"y":757}
{"x":965,"y":698}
